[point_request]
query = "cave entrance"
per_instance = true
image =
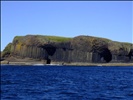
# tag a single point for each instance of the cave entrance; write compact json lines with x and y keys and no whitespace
{"x":106,"y":55}
{"x":48,"y":61}
{"x":130,"y":55}
{"x":50,"y":49}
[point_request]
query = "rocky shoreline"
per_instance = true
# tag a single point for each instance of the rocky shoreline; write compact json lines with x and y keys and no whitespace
{"x":79,"y":50}
{"x":65,"y":64}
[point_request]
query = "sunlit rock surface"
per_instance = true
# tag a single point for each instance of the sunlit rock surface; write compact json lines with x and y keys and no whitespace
{"x":61,"y":49}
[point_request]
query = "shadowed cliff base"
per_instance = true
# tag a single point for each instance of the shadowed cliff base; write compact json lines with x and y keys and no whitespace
{"x":80,"y":49}
{"x":106,"y":54}
{"x":48,"y":61}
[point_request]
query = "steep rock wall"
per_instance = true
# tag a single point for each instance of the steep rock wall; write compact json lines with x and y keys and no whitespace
{"x":78,"y":49}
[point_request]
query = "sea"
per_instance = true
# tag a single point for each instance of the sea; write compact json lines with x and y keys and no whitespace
{"x":66,"y":82}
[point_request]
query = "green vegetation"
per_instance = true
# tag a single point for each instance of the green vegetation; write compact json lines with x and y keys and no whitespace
{"x":39,"y":39}
{"x":92,"y":38}
{"x":17,"y":38}
{"x":51,"y":38}
{"x":7,"y":50}
{"x":80,"y":48}
{"x":58,"y":39}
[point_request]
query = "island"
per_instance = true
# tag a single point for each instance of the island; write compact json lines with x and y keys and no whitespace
{"x":80,"y":50}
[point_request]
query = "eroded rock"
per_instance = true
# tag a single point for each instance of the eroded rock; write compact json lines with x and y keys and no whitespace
{"x":77,"y":49}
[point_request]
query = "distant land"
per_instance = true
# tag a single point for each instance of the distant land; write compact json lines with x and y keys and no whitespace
{"x":80,"y":50}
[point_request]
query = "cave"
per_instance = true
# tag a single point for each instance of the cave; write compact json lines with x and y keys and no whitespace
{"x":48,"y":61}
{"x":50,"y":49}
{"x":130,"y":55}
{"x":64,"y":49}
{"x":106,"y":55}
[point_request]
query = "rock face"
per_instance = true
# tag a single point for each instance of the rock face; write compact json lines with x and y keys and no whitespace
{"x":78,"y":49}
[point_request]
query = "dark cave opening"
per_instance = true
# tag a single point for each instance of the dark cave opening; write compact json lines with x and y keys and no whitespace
{"x":50,"y":49}
{"x":48,"y":61}
{"x":64,"y":49}
{"x":130,"y":55}
{"x":106,"y":55}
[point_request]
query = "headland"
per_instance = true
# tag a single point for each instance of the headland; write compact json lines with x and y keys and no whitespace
{"x":80,"y":50}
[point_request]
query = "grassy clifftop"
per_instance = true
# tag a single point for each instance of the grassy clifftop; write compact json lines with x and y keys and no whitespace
{"x":38,"y":39}
{"x":81,"y":43}
{"x":7,"y":50}
{"x":31,"y":40}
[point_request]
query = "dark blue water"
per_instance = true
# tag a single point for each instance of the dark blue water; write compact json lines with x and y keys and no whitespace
{"x":66,"y":83}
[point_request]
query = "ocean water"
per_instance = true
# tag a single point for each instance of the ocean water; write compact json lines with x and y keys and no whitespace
{"x":66,"y":83}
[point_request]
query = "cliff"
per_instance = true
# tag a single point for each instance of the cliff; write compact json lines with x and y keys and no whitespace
{"x":86,"y":49}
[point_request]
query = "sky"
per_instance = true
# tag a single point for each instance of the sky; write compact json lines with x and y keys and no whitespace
{"x":107,"y":19}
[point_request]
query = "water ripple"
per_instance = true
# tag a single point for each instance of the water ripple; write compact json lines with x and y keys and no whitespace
{"x":66,"y":83}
